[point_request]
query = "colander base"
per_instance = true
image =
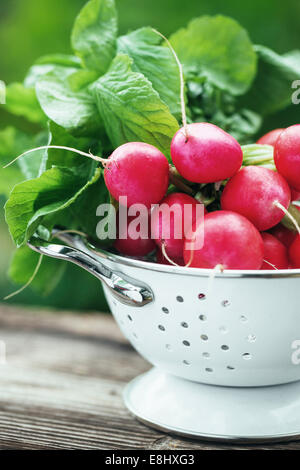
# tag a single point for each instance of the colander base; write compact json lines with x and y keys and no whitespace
{"x":190,"y":409}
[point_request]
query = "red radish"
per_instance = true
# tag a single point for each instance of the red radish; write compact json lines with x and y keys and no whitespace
{"x":283,"y":234}
{"x":138,"y":171}
{"x":275,"y":253}
{"x":168,"y":219}
{"x":294,"y":253}
{"x":254,"y":192}
{"x":230,"y":240}
{"x":295,"y":195}
{"x":204,"y":153}
{"x":126,"y":242}
{"x":160,"y":258}
{"x":287,"y":155}
{"x":270,"y":138}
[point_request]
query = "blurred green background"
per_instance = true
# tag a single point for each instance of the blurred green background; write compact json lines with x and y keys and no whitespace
{"x":31,"y":28}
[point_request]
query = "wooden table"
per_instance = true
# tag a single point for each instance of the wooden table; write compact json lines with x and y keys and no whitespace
{"x":61,"y":386}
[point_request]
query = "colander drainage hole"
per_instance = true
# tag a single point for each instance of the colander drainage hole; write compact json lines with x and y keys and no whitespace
{"x":186,"y":343}
{"x":186,"y":363}
{"x":165,"y":310}
{"x":202,"y":317}
{"x":225,"y":303}
{"x":247,"y":356}
{"x":230,"y":368}
{"x":135,"y":335}
{"x":206,"y":355}
{"x":179,"y":298}
{"x":129,"y":317}
{"x":224,"y":347}
{"x":223,"y":330}
{"x":184,"y":324}
{"x":243,"y":319}
{"x":251,"y":338}
{"x":168,"y":347}
{"x":201,"y":296}
{"x":208,"y":369}
{"x":161,"y":327}
{"x":204,"y":337}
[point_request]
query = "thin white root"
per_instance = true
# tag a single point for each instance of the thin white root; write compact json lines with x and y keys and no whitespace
{"x":13,"y":294}
{"x":270,"y":264}
{"x":286,"y":212}
{"x":69,"y":149}
{"x":190,"y":260}
{"x":28,"y":282}
{"x":183,"y":110}
{"x":219,"y":268}
{"x":163,"y":249}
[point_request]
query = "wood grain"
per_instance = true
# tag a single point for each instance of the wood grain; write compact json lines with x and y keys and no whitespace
{"x":61,"y":387}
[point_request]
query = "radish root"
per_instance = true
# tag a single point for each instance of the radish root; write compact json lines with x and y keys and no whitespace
{"x":36,"y":270}
{"x":30,"y":280}
{"x":270,"y":264}
{"x":103,"y":161}
{"x":163,"y":249}
{"x":182,"y":101}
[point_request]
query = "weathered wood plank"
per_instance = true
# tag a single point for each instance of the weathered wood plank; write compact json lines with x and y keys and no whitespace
{"x":61,"y":387}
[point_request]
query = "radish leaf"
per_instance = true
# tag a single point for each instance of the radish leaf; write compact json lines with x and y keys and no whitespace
{"x":219,"y":49}
{"x":131,"y":109}
{"x":94,"y":34}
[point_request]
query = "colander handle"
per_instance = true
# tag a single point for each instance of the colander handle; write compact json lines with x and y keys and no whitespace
{"x":126,"y":290}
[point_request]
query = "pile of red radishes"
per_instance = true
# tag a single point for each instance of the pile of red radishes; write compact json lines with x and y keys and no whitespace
{"x":245,"y":233}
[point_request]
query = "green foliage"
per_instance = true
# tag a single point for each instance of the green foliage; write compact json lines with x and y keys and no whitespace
{"x":131,"y":109}
{"x":23,"y":266}
{"x":94,"y":34}
{"x":23,"y":102}
{"x":219,"y":49}
{"x":75,"y":111}
{"x":271,"y":91}
{"x":157,"y":63}
{"x":30,"y":201}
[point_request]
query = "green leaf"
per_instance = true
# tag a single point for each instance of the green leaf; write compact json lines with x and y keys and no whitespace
{"x":242,"y":125}
{"x":82,"y":78}
{"x":65,"y":60}
{"x":75,"y":111}
{"x":22,"y":101}
{"x":272,"y":89}
{"x":33,"y":164}
{"x":131,"y":109}
{"x":156,"y":62}
{"x":55,"y":190}
{"x":94,"y":34}
{"x":23,"y":266}
{"x":12,"y":143}
{"x":85,"y":207}
{"x":58,"y":157}
{"x":219,"y":49}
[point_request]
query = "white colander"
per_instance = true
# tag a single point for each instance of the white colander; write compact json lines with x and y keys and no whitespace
{"x":217,"y":343}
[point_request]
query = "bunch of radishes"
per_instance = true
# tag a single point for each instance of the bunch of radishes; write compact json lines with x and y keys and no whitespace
{"x":246,"y":233}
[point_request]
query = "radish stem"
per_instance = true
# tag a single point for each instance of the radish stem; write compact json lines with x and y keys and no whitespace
{"x":182,"y":101}
{"x":287,"y":213}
